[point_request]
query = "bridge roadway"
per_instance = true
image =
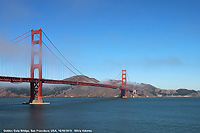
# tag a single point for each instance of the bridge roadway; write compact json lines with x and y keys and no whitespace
{"x":50,"y":81}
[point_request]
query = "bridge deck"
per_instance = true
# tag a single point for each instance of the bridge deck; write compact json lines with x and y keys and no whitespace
{"x":50,"y":81}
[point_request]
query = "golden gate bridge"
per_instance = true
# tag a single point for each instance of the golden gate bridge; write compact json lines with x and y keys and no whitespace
{"x":36,"y":63}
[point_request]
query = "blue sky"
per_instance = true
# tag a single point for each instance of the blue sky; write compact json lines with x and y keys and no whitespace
{"x":156,"y":41}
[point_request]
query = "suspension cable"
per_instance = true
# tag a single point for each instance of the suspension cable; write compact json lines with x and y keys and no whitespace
{"x":62,"y":54}
{"x":117,"y":76}
{"x":21,"y":39}
{"x":62,"y":62}
{"x":58,"y":58}
{"x":20,"y":36}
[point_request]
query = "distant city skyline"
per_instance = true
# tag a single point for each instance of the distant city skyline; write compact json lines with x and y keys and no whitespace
{"x":157,"y":42}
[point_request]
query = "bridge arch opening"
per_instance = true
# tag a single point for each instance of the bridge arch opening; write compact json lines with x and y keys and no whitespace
{"x":36,"y":37}
{"x":36,"y":73}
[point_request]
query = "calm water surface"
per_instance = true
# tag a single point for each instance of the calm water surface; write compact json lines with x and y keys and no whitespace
{"x":104,"y":115}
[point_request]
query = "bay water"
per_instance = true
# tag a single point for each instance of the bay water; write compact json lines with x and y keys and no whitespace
{"x":102,"y":115}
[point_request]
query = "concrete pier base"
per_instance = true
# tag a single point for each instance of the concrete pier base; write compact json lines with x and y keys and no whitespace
{"x":124,"y":97}
{"x":40,"y":102}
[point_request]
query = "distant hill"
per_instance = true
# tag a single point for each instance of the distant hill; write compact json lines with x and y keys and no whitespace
{"x":186,"y":92}
{"x":142,"y":89}
{"x":82,"y":78}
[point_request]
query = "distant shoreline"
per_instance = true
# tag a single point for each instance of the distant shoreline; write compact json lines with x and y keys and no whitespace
{"x":100,"y":97}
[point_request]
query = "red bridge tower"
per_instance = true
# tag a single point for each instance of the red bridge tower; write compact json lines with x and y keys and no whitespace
{"x":36,"y":64}
{"x":124,"y":87}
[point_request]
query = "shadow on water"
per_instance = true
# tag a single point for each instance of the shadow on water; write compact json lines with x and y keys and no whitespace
{"x":36,"y":116}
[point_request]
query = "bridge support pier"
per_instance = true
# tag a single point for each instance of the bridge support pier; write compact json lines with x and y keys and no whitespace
{"x":35,"y":88}
{"x":124,"y":93}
